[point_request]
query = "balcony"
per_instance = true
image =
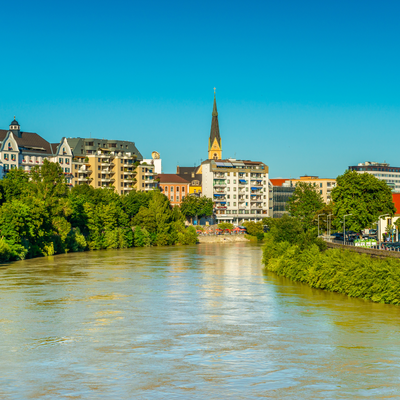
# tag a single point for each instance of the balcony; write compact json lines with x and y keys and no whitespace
{"x":219,"y":183}
{"x":219,"y":175}
{"x":242,"y":182}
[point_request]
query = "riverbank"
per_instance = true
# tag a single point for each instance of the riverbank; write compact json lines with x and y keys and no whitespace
{"x":336,"y":270}
{"x":222,"y":239}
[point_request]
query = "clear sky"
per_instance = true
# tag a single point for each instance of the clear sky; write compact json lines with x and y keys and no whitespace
{"x":308,"y":87}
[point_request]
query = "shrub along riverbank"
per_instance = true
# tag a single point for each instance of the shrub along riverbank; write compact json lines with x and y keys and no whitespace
{"x":41,"y":216}
{"x":302,"y":257}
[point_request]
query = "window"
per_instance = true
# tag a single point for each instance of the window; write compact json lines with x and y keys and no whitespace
{"x":13,"y":157}
{"x":75,"y":166}
{"x":234,"y":204}
{"x":99,"y":168}
{"x":234,"y":196}
{"x":6,"y":157}
{"x":247,"y":189}
{"x":320,"y":191}
{"x":234,"y":181}
{"x":234,"y":189}
{"x":122,"y":176}
{"x":172,"y":197}
{"x":229,"y":203}
{"x":183,"y":197}
{"x":99,"y":175}
{"x":76,"y":175}
{"x":229,"y":189}
{"x":98,"y":184}
{"x":177,"y":198}
{"x":183,"y":189}
{"x":320,"y":185}
{"x":177,"y":188}
{"x":172,"y":188}
{"x":229,"y":196}
{"x":122,"y":168}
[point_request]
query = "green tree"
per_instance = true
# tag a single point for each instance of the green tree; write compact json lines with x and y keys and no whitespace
{"x":14,"y":185}
{"x":198,"y":207}
{"x":304,"y":203}
{"x":254,"y":228}
{"x":363,"y":196}
{"x":225,"y":225}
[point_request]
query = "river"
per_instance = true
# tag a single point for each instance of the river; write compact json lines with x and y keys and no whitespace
{"x":198,"y":322}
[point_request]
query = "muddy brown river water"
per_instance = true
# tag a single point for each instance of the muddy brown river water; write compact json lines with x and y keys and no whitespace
{"x":198,"y":322}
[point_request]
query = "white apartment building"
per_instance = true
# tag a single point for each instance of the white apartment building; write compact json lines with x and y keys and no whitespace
{"x":25,"y":150}
{"x":239,"y":189}
{"x":382,"y":171}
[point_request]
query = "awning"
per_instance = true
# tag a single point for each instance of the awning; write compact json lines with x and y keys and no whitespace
{"x":223,"y":202}
{"x":218,"y":195}
{"x":242,"y":181}
{"x":255,"y":188}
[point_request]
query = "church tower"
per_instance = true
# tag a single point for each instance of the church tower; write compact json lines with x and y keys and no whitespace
{"x":214,"y":143}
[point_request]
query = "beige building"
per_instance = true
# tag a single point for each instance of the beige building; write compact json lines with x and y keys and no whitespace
{"x":323,"y":185}
{"x":110,"y":163}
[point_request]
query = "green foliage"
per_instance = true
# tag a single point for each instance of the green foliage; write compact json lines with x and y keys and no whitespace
{"x":342,"y":271}
{"x":304,"y":203}
{"x":199,"y":207}
{"x":225,"y":225}
{"x":255,"y":229}
{"x":188,"y":236}
{"x":363,"y":196}
{"x":142,"y":237}
{"x":41,"y":216}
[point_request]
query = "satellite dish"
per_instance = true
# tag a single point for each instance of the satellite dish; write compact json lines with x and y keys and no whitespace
{"x":155,"y":155}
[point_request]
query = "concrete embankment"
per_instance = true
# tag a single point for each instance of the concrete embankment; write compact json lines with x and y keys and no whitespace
{"x":363,"y":250}
{"x":222,"y":239}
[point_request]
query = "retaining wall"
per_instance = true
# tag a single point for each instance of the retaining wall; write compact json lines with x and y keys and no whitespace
{"x":363,"y":250}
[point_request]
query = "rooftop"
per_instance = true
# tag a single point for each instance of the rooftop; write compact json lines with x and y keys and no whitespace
{"x":171,"y":178}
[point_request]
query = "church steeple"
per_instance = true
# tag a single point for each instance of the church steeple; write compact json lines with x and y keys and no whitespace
{"x":214,"y":143}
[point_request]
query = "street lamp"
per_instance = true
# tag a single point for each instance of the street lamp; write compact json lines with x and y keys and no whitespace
{"x":344,"y":227}
{"x":379,"y":228}
{"x":318,"y":222}
{"x":328,"y":230}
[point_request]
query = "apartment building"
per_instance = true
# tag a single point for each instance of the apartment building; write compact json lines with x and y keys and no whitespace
{"x":239,"y":189}
{"x":19,"y":149}
{"x":280,"y":191}
{"x":382,"y":171}
{"x":174,"y":187}
{"x":111,"y":163}
{"x":323,"y":185}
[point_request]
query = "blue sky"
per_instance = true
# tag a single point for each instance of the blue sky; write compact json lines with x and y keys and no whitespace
{"x":308,"y":87}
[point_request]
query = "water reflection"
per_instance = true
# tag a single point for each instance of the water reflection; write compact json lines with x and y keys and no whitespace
{"x":187,"y":322}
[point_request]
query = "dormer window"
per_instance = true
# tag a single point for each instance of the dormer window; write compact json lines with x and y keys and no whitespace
{"x":9,"y":146}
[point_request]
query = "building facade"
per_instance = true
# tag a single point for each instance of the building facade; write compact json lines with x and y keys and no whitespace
{"x":239,"y":189}
{"x":192,"y":175}
{"x":111,"y":163}
{"x":382,"y":171}
{"x":280,"y":191}
{"x":174,"y":187}
{"x":322,"y":185}
{"x":19,"y":149}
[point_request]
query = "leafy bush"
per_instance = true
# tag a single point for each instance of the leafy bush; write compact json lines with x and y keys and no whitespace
{"x":254,"y":228}
{"x":141,"y":237}
{"x":189,"y":236}
{"x":342,"y":271}
{"x":225,"y":225}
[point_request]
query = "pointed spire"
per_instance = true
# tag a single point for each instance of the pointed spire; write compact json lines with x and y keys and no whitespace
{"x":214,"y":133}
{"x":215,"y":112}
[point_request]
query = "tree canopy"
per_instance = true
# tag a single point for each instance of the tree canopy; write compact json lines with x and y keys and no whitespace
{"x":199,"y":207}
{"x":304,"y":203}
{"x":363,"y":196}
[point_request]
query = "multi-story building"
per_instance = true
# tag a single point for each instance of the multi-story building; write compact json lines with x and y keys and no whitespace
{"x":323,"y":185}
{"x":239,"y":189}
{"x":192,"y":175}
{"x":174,"y":187}
{"x":111,"y":163}
{"x":382,"y":171}
{"x":280,"y":191}
{"x":25,"y":150}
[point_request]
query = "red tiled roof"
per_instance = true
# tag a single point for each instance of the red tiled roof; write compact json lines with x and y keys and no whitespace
{"x":396,"y":201}
{"x":278,"y":182}
{"x":171,"y":178}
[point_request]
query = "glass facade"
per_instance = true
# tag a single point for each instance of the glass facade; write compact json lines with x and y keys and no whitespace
{"x":280,"y":196}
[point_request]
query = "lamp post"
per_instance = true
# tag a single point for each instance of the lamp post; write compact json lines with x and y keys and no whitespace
{"x":379,"y":228}
{"x":318,"y":222}
{"x":328,"y":225}
{"x":344,"y":227}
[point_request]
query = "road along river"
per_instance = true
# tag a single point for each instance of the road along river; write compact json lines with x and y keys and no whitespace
{"x":199,"y":322}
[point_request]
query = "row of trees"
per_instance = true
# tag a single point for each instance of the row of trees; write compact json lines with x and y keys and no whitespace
{"x":40,"y":215}
{"x":361,"y":195}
